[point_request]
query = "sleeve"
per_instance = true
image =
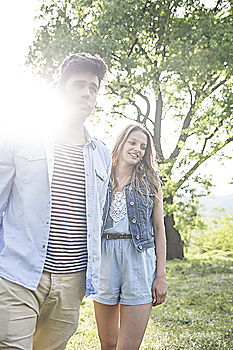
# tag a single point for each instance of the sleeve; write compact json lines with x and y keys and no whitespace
{"x":7,"y":172}
{"x":106,"y":181}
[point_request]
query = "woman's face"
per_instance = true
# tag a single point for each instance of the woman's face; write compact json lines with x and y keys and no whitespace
{"x":134,"y":148}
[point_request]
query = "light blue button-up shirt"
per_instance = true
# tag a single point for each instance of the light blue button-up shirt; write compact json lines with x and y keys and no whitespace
{"x":26,"y":169}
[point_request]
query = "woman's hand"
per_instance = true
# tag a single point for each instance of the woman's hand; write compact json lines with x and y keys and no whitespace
{"x":159,"y":290}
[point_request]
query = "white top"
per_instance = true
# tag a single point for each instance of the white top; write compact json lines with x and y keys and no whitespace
{"x":118,"y":213}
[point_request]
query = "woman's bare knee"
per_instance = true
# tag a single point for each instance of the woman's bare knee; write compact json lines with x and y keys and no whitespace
{"x":108,"y":345}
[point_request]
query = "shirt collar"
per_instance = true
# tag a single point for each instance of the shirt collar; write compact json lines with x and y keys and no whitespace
{"x":90,"y":138}
{"x":50,"y":138}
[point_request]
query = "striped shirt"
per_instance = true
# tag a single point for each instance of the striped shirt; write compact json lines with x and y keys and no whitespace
{"x":67,"y":245}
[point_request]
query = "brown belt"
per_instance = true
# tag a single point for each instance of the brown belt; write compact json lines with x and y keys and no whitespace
{"x":115,"y":236}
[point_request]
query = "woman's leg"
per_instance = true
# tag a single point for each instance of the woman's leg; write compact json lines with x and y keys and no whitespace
{"x":133,"y":322}
{"x":107,"y":319}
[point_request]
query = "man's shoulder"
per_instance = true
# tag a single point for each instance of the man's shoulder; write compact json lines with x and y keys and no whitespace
{"x":103,"y":149}
{"x":10,"y":142}
{"x":101,"y":144}
{"x":15,"y":143}
{"x":98,"y":141}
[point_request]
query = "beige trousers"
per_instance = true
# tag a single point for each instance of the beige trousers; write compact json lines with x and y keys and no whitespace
{"x":44,"y":319}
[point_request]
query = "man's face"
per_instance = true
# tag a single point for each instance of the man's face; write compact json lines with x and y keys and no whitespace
{"x":80,"y":94}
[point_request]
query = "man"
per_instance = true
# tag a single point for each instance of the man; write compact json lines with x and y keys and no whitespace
{"x":51,"y":199}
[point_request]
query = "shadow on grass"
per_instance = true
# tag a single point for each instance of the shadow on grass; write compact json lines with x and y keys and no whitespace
{"x":215,"y":262}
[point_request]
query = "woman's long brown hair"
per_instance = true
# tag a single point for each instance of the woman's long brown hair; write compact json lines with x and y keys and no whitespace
{"x":144,"y":173}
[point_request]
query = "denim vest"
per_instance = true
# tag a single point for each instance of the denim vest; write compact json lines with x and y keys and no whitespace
{"x":139,"y":210}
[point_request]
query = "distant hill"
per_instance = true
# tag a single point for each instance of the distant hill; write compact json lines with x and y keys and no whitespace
{"x":211,"y":202}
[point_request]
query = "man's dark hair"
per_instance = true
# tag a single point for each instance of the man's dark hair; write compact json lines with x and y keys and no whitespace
{"x":82,"y":62}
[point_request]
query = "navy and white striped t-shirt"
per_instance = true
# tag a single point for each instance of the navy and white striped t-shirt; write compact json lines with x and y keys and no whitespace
{"x":67,"y":245}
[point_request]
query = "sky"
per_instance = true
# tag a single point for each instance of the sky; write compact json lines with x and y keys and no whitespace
{"x":16,"y":28}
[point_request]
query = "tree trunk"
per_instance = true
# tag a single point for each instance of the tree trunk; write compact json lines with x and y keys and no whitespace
{"x":175,"y":245}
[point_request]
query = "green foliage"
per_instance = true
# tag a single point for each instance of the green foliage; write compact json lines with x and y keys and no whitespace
{"x":188,"y":220}
{"x":186,"y":208}
{"x":217,"y":235}
{"x":169,"y":60}
{"x":197,"y":314}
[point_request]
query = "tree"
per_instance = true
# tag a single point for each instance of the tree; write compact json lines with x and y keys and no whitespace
{"x":169,"y":60}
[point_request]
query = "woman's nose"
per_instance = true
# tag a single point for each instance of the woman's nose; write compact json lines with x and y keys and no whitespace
{"x":137,"y":148}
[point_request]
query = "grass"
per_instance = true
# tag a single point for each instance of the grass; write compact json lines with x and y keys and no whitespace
{"x":197,"y":314}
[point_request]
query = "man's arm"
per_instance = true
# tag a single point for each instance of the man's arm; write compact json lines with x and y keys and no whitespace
{"x":106,"y":181}
{"x":7,"y":171}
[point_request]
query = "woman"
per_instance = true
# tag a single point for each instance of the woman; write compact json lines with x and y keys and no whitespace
{"x":133,"y":275}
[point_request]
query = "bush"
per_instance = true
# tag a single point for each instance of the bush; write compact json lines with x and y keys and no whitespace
{"x":217,"y":236}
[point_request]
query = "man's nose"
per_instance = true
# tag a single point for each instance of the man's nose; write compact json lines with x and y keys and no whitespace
{"x":86,"y":92}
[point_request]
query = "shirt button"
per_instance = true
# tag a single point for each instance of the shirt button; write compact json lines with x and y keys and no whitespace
{"x":140,"y":247}
{"x":137,"y":237}
{"x":131,"y":203}
{"x":47,"y":223}
{"x":89,"y":215}
{"x":88,"y":174}
{"x":134,"y":220}
{"x":43,"y":246}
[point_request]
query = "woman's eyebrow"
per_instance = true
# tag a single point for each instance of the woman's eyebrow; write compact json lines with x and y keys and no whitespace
{"x":133,"y":138}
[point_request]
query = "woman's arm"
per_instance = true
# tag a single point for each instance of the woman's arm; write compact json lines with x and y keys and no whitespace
{"x":159,"y":287}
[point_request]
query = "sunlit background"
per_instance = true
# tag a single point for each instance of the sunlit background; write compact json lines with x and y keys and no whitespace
{"x":25,"y":98}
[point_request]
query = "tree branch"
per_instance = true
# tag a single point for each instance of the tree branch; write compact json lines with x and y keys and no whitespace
{"x":216,"y":8}
{"x":132,"y":47}
{"x":146,"y":55}
{"x":218,"y":85}
{"x":211,"y":135}
{"x":132,"y":102}
{"x":115,"y":57}
{"x":123,"y":115}
{"x":200,"y":161}
{"x":183,"y":135}
{"x":157,"y":126}
{"x":146,"y":115}
{"x":208,"y":89}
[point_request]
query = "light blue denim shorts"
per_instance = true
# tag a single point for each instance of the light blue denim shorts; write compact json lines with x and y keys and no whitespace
{"x":126,"y":275}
